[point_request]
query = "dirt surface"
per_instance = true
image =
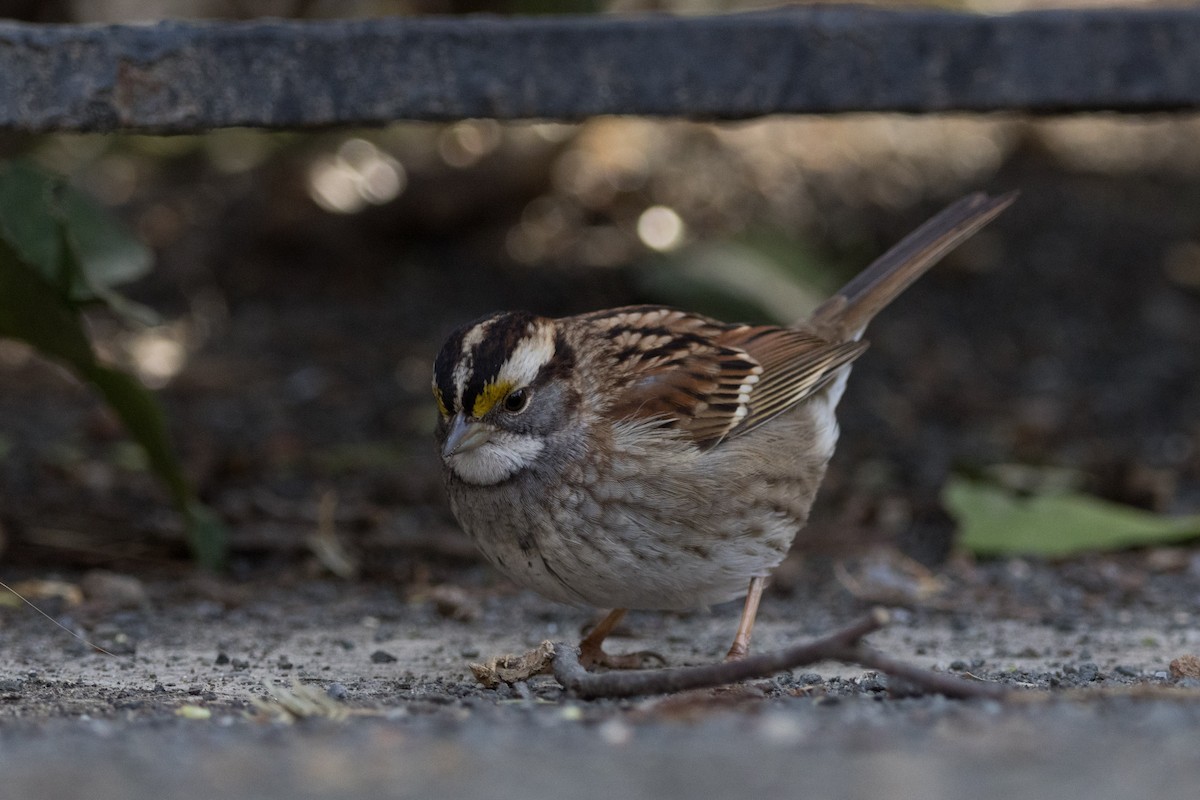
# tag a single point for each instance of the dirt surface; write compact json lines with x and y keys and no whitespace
{"x":1066,"y":337}
{"x":1100,"y":715}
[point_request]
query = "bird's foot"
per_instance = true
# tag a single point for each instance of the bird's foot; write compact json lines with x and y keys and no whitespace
{"x":738,"y":651}
{"x":591,"y":657}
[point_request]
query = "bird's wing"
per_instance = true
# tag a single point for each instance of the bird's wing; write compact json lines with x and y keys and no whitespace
{"x":713,"y":380}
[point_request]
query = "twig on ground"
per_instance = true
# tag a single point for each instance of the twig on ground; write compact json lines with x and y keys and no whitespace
{"x":842,"y":645}
{"x":921,"y":678}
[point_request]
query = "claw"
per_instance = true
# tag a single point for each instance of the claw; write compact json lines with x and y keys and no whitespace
{"x":591,"y":651}
{"x":642,"y":659}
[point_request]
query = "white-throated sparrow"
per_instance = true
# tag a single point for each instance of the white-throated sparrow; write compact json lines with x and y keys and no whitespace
{"x":650,"y":458}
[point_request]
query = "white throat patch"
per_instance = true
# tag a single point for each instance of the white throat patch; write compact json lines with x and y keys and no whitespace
{"x":497,"y":460}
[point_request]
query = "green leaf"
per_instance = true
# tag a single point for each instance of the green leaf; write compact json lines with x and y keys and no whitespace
{"x":108,"y":255}
{"x":207,"y":534}
{"x":994,"y":521}
{"x":25,"y":223}
{"x":144,"y":419}
{"x":33,"y":311}
{"x":42,"y":217}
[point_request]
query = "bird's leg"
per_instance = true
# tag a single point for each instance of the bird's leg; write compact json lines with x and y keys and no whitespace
{"x":741,"y":642}
{"x":591,"y":651}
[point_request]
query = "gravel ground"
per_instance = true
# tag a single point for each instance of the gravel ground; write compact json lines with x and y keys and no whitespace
{"x":178,"y":711}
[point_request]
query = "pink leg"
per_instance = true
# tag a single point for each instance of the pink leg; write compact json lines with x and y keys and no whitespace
{"x":741,"y":642}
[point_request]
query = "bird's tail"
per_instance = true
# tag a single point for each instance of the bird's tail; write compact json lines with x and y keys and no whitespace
{"x":844,"y":316}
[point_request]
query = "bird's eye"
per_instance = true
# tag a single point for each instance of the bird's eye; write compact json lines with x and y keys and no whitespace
{"x":516,"y":401}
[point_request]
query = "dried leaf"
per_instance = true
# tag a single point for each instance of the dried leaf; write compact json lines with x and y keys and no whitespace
{"x":68,"y":593}
{"x":889,"y":577}
{"x":302,"y":701}
{"x":513,"y":668}
{"x":1185,"y":667}
{"x":112,"y":591}
{"x":453,"y":602}
{"x":325,"y":544}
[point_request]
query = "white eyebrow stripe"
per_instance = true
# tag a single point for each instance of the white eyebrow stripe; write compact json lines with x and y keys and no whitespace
{"x":532,"y":353}
{"x":462,"y":370}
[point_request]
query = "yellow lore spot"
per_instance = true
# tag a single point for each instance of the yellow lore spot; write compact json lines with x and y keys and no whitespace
{"x":492,"y":393}
{"x":441,"y":404}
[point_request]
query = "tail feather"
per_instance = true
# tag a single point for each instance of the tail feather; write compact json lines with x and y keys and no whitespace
{"x":846,"y":314}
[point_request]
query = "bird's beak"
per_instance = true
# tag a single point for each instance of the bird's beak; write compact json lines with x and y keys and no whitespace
{"x":465,"y":435}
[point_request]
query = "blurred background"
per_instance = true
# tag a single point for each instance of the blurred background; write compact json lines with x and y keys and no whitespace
{"x":305,"y":282}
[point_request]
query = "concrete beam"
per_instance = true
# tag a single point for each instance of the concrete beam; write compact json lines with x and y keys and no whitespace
{"x":181,"y":77}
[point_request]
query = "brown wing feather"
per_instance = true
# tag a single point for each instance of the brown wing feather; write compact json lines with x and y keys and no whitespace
{"x":796,"y":365}
{"x":711,"y":379}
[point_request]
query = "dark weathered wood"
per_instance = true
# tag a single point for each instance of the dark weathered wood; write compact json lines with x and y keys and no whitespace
{"x":183,"y":77}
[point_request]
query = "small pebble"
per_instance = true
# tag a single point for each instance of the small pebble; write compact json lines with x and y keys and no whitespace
{"x":873,"y":683}
{"x":337,"y":691}
{"x":382,"y":657}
